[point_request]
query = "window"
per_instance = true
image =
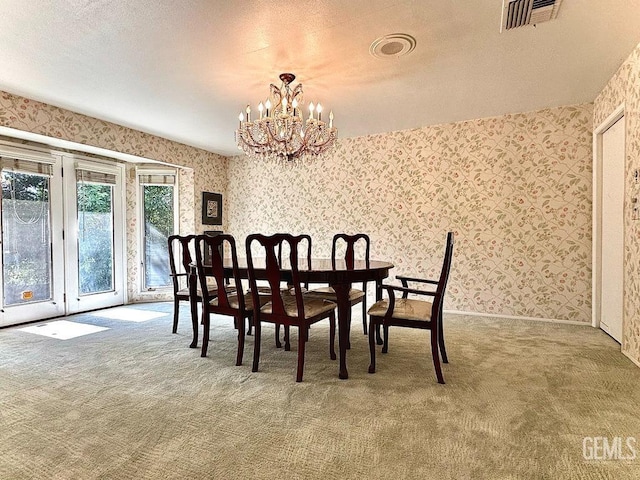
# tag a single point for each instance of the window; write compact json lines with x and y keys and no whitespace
{"x":159,"y":208}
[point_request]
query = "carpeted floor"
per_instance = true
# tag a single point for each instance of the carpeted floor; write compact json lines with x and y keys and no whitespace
{"x":134,"y":402}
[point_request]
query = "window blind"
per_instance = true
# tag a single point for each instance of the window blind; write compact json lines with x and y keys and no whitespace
{"x":26,"y":166}
{"x":157,"y":179}
{"x":89,"y":176}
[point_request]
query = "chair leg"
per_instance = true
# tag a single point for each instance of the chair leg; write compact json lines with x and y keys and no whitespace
{"x":364,"y":314}
{"x":301,"y":345}
{"x":256,"y":346}
{"x":240,"y":321}
{"x":250,"y":328}
{"x":278,"y":344}
{"x":385,"y":344}
{"x":332,"y":335}
{"x":378,"y":335}
{"x":372,"y":346}
{"x":378,"y":326}
{"x":194,"y":309}
{"x":287,"y":345}
{"x":205,"y":333}
{"x":443,"y":350}
{"x":435,"y":354}
{"x":176,"y":311}
{"x":349,"y":328}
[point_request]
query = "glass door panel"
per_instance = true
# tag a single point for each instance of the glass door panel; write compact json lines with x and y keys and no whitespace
{"x":94,"y":244}
{"x":95,"y":238}
{"x":32,"y":287}
{"x":25,"y":216}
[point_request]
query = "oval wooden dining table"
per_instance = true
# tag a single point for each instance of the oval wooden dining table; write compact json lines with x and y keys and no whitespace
{"x":337,"y":274}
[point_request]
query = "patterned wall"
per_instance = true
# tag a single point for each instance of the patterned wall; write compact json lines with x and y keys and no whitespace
{"x":624,"y":87}
{"x":35,"y":117}
{"x":515,"y":189}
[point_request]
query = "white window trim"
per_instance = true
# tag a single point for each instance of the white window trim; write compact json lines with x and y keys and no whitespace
{"x":77,"y":161}
{"x":152,"y":170}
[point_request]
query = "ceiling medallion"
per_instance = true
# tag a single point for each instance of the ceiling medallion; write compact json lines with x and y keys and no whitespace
{"x":280,"y":131}
{"x":393,"y":45}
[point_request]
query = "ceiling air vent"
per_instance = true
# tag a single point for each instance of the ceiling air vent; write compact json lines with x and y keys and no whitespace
{"x":517,"y":13}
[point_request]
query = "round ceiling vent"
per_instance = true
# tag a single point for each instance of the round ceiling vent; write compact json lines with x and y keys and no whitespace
{"x":392,"y":45}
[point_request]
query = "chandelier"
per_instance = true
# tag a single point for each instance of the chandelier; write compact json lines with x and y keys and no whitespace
{"x":280,"y":129}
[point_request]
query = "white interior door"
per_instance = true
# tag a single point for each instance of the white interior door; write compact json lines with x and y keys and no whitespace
{"x":612,"y":253}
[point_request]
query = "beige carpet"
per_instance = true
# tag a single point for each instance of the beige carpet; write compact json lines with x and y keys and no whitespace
{"x":134,"y":402}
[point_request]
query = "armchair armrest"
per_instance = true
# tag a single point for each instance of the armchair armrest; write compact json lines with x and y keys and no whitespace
{"x":405,"y":291}
{"x":404,"y":280}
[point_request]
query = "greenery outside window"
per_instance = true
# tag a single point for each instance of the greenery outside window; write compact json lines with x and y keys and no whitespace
{"x":95,"y":231}
{"x":26,"y":245}
{"x":159,"y":208}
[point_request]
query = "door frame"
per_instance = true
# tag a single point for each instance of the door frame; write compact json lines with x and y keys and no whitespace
{"x":56,"y":306}
{"x":119,"y":295}
{"x":63,"y":182}
{"x":596,"y":297}
{"x":147,"y":169}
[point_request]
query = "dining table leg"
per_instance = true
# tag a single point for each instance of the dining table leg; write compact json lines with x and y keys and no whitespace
{"x":342,"y":300}
{"x":193,"y":304}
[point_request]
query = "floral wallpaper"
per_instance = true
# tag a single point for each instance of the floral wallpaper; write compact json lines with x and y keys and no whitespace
{"x":624,"y":87}
{"x":516,"y":190}
{"x":32,"y":116}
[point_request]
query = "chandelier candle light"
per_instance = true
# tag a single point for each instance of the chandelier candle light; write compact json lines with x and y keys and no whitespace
{"x":280,"y":129}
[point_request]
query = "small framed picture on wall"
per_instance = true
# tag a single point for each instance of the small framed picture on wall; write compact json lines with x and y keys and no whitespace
{"x":211,"y":208}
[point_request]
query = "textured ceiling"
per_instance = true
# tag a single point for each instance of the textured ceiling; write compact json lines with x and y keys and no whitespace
{"x":184,"y":69}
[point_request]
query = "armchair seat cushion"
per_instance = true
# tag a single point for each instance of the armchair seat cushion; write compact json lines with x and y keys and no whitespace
{"x":267,"y":290}
{"x":248,"y":301}
{"x":330,"y":294}
{"x":185,"y":291}
{"x":312,"y":306}
{"x":405,"y":309}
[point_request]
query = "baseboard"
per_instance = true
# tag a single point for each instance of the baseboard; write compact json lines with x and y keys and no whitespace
{"x":514,"y":317}
{"x":634,"y":360}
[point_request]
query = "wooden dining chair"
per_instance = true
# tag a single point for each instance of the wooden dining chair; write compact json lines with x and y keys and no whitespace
{"x":228,"y":301}
{"x":180,"y":254}
{"x":282,"y":250}
{"x":290,"y":307}
{"x":350,"y":244}
{"x":414,"y":313}
{"x":266,"y":289}
{"x":304,"y":257}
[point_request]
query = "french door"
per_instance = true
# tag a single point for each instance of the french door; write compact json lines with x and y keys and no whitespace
{"x":94,"y":235}
{"x":32,"y":248}
{"x":62,"y":235}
